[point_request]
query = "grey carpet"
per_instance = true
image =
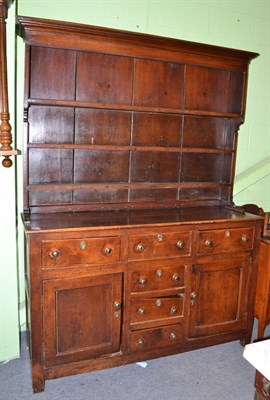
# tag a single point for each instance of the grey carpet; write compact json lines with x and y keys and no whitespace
{"x":214,"y":373}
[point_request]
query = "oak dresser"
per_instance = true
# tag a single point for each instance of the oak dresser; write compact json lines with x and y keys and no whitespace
{"x":134,"y":248}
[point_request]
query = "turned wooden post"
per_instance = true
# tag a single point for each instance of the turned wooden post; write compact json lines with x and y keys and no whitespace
{"x":5,"y":128}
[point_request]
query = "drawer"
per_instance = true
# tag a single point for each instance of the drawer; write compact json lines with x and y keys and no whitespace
{"x":225,"y":240}
{"x":159,"y":245}
{"x":69,"y":252}
{"x":144,"y":310}
{"x":158,"y":278}
{"x":153,"y":339}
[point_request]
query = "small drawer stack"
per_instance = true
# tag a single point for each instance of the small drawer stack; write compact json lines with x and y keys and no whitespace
{"x":157,"y":289}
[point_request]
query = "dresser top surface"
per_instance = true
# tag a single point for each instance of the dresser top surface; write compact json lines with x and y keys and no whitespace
{"x":132,"y":218}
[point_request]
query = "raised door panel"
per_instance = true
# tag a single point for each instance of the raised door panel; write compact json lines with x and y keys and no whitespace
{"x":219,"y":296}
{"x":81,"y":320}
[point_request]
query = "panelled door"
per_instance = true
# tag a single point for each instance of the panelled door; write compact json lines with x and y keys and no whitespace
{"x":82,"y":318}
{"x":219,"y":297}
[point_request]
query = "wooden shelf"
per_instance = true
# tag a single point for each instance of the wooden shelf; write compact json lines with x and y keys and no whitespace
{"x":127,"y":148}
{"x":126,"y":185}
{"x":126,"y":107}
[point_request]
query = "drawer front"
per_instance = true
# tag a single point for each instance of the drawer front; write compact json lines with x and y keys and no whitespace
{"x":158,"y":278}
{"x":61,"y":253}
{"x":159,"y":245}
{"x":225,"y":240}
{"x":144,"y":310}
{"x":154,"y":338}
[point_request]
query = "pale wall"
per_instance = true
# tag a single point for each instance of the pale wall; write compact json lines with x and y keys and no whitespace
{"x":232,"y":23}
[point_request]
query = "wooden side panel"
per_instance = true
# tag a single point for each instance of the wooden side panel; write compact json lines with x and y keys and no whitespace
{"x":101,"y":166}
{"x":206,"y":89}
{"x":52,"y":74}
{"x":48,"y":124}
{"x":201,"y":167}
{"x":204,"y":132}
{"x":104,"y":78}
{"x":50,"y":166}
{"x":235,"y":92}
{"x":154,"y":167}
{"x":158,"y":84}
{"x":163,"y":130}
{"x":102,"y":127}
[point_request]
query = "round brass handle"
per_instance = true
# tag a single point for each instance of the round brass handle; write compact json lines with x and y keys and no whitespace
{"x":160,"y":237}
{"x":141,"y":311}
{"x":159,"y":272}
{"x":139,"y":247}
{"x":158,"y":303}
{"x":55,"y":253}
{"x":141,"y":341}
{"x":176,"y":278}
{"x":117,"y":305}
{"x":83,"y":245}
{"x":209,"y":243}
{"x":173,"y":310}
{"x":108,"y":251}
{"x":245,"y":238}
{"x":193,"y":295}
{"x":142,"y":281}
{"x":180,"y":244}
{"x":173,"y":336}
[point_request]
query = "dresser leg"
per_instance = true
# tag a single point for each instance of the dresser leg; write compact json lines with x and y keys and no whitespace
{"x":38,"y":381}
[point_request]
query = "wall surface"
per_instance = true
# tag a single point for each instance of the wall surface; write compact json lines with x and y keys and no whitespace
{"x":231,"y":23}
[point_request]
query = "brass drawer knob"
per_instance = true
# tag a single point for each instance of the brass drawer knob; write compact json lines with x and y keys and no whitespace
{"x":141,"y":311}
{"x":117,"y":305}
{"x":245,"y":238}
{"x":176,"y":278}
{"x":159,"y":272}
{"x":139,"y":247}
{"x":158,"y":303}
{"x":180,"y":244}
{"x":54,"y":254}
{"x":108,"y":251}
{"x":173,"y":336}
{"x":160,"y":237}
{"x":193,"y":295}
{"x":142,"y":281}
{"x":209,"y":243}
{"x":173,"y":310}
{"x":141,"y":341}
{"x":83,"y":245}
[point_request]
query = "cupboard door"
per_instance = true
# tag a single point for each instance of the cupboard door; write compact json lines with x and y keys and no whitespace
{"x":219,"y":297}
{"x":82,"y":318}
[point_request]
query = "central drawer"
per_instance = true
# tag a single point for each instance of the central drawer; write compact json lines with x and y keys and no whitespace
{"x":149,"y":339}
{"x":154,"y":309}
{"x":158,"y":278}
{"x":61,"y":253}
{"x":159,"y":245}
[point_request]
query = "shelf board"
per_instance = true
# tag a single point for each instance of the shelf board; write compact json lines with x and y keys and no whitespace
{"x":127,"y":107}
{"x":67,"y":146}
{"x":125,"y":185}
